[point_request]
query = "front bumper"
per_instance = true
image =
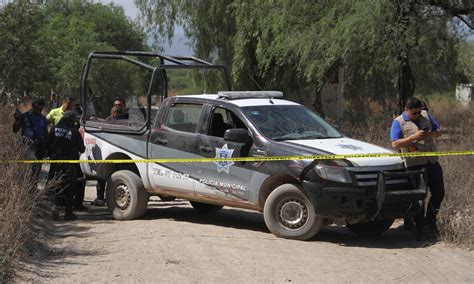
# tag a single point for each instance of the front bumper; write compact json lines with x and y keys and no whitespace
{"x":370,"y":202}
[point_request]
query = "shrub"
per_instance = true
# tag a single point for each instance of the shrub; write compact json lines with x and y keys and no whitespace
{"x":18,"y":195}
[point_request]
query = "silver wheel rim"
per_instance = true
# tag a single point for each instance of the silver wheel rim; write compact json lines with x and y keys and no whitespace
{"x":292,"y":213}
{"x":122,"y":196}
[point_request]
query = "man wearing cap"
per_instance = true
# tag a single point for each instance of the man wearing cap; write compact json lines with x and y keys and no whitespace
{"x":415,"y":131}
{"x":65,"y":144}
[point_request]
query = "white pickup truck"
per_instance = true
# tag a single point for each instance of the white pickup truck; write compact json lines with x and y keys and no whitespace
{"x":297,"y":197}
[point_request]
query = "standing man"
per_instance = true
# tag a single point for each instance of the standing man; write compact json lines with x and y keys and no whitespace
{"x":415,"y":131}
{"x":55,"y":115}
{"x":34,"y":130}
{"x":65,"y":144}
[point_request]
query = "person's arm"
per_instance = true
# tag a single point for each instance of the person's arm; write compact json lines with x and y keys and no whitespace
{"x":79,"y":142}
{"x":407,"y":141}
{"x":51,"y":116}
{"x":436,"y":129}
{"x":50,"y":141}
{"x":17,"y":122}
{"x":16,"y":125}
{"x":396,"y":136}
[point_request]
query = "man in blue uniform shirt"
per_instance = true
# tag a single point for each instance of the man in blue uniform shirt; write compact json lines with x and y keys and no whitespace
{"x":415,"y":131}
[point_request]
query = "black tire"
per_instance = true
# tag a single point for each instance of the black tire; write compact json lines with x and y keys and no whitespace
{"x":205,"y":207}
{"x":126,"y":195}
{"x":371,"y":228}
{"x":166,"y":198}
{"x":290,"y":214}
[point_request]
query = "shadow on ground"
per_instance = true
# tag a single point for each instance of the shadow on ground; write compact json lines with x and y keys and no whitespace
{"x":228,"y":217}
{"x":41,"y":254}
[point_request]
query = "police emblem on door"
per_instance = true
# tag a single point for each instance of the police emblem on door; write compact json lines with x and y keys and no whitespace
{"x":224,"y":152}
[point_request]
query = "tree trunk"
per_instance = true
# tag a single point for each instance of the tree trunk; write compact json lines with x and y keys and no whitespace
{"x":406,"y":83}
{"x":317,"y":102}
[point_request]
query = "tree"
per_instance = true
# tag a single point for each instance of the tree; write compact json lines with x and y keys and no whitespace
{"x":76,"y":28}
{"x":384,"y":46}
{"x":43,"y":47}
{"x":21,"y":56}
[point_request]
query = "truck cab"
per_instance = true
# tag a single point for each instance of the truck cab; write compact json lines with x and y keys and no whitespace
{"x":297,"y":196}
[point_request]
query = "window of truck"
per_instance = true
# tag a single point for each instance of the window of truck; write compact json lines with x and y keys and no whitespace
{"x":184,"y":117}
{"x":221,"y":120}
{"x":289,"y":122}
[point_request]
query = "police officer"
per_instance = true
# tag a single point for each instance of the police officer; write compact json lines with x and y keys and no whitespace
{"x":65,"y":144}
{"x":415,"y":131}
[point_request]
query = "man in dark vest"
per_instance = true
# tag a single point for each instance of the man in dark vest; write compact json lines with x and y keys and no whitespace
{"x":65,"y":144}
{"x":415,"y":131}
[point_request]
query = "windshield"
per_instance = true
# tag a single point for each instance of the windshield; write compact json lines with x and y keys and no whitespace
{"x":289,"y":122}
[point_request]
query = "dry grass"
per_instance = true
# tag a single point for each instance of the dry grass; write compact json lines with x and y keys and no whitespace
{"x":456,"y":214}
{"x":18,"y":195}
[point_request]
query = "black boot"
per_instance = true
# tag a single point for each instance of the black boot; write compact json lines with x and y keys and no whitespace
{"x":69,"y":216}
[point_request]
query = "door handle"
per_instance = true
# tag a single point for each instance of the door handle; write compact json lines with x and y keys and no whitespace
{"x":205,"y":149}
{"x":259,"y":152}
{"x":161,"y":141}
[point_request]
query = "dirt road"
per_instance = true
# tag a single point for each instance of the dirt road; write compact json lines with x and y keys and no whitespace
{"x":173,"y":243}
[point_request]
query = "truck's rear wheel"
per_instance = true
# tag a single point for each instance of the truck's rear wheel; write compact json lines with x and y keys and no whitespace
{"x":204,"y":207}
{"x":126,"y":195}
{"x":376,"y":227}
{"x":289,"y":213}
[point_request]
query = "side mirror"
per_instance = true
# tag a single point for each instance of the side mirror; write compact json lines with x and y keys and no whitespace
{"x":237,"y":135}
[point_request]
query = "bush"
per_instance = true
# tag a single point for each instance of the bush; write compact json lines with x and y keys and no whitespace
{"x":18,"y":195}
{"x":457,"y":122}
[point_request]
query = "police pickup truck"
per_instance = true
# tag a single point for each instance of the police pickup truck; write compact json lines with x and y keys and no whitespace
{"x":297,"y":197}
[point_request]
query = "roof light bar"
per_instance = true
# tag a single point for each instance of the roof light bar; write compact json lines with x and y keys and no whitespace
{"x":231,"y":95}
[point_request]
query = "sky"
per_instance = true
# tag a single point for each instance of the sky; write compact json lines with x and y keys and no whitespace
{"x":178,"y":44}
{"x":128,"y":5}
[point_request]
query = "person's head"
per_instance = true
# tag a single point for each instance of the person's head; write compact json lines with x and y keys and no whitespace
{"x":413,"y":108}
{"x":68,"y":119}
{"x":37,"y":106}
{"x":120,"y":103}
{"x":68,"y":103}
{"x":116,"y":111}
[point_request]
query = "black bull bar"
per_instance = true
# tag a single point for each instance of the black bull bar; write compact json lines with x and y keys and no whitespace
{"x":418,"y":180}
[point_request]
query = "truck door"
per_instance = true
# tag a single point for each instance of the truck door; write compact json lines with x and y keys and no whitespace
{"x":175,"y":138}
{"x":222,"y":180}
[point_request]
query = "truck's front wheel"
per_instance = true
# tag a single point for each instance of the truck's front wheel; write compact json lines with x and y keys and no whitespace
{"x":126,"y":195}
{"x":376,"y":227}
{"x":290,"y":214}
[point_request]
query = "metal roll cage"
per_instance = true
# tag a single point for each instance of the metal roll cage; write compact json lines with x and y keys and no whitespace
{"x":166,"y":62}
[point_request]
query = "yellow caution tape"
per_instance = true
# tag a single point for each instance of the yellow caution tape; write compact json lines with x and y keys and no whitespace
{"x":250,"y":159}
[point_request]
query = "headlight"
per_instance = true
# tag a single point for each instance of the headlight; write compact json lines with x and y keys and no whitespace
{"x":333,"y":170}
